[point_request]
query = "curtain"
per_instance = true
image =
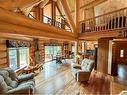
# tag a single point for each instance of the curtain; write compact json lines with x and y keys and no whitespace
{"x":17,"y":43}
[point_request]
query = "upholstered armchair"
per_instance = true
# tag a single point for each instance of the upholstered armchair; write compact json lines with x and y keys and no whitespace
{"x":10,"y":83}
{"x":82,"y":72}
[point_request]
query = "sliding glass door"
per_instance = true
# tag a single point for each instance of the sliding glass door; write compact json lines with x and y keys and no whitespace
{"x":51,"y":52}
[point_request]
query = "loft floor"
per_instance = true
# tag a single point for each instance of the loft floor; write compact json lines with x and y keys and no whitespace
{"x":57,"y":79}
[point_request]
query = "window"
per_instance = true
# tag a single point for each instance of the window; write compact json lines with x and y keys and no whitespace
{"x":18,"y":57}
{"x":51,"y":52}
{"x":23,"y":53}
{"x":73,"y":49}
{"x":121,"y":53}
{"x":13,"y":59}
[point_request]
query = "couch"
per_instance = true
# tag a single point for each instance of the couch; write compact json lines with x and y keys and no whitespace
{"x":82,"y":72}
{"x":10,"y":83}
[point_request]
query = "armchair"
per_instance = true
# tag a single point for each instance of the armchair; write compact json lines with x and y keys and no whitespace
{"x":10,"y":83}
{"x":82,"y":72}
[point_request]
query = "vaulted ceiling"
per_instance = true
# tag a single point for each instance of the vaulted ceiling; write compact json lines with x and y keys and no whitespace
{"x":67,"y":7}
{"x":26,"y":5}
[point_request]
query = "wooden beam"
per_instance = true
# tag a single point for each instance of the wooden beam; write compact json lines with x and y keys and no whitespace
{"x":68,"y":14}
{"x":53,"y":11}
{"x":12,"y":4}
{"x":26,"y":11}
{"x":17,"y":19}
{"x":41,"y":14}
{"x":60,"y":11}
{"x":15,"y":36}
{"x":43,"y":4}
{"x":98,"y":35}
{"x":19,"y":30}
{"x":77,"y":17}
{"x":37,"y":13}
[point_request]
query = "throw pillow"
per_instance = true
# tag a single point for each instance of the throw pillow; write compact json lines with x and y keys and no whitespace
{"x":7,"y":79}
{"x":12,"y":74}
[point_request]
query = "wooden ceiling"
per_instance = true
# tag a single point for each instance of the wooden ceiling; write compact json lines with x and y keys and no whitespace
{"x":67,"y":7}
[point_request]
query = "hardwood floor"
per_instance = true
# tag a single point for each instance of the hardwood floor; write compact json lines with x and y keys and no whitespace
{"x":57,"y":79}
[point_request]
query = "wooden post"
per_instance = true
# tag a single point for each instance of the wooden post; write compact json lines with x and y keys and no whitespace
{"x":37,"y":13}
{"x":77,"y":17}
{"x":41,"y":14}
{"x":103,"y":55}
{"x":76,"y":51}
{"x":53,"y":12}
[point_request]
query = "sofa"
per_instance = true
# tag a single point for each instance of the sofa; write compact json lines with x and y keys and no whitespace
{"x":81,"y":72}
{"x":10,"y":83}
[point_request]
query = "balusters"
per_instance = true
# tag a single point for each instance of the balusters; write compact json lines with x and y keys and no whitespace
{"x":118,"y":24}
{"x":55,"y":23}
{"x":114,"y":22}
{"x":109,"y":21}
{"x":122,"y":18}
{"x":104,"y":27}
{"x":111,"y":18}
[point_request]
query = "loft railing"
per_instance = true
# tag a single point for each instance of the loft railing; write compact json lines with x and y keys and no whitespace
{"x":49,"y":21}
{"x":55,"y":23}
{"x":110,"y":21}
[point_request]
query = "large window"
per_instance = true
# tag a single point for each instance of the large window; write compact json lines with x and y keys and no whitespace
{"x":18,"y":57}
{"x":51,"y":52}
{"x":24,"y":56}
{"x":13,"y":59}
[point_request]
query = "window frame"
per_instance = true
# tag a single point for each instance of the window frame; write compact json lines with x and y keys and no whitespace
{"x":18,"y":57}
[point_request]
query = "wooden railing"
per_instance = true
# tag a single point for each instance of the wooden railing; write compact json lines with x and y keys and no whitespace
{"x":110,"y":21}
{"x":55,"y":23}
{"x":49,"y":21}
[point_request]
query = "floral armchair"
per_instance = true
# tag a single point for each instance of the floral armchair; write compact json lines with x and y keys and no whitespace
{"x":10,"y":83}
